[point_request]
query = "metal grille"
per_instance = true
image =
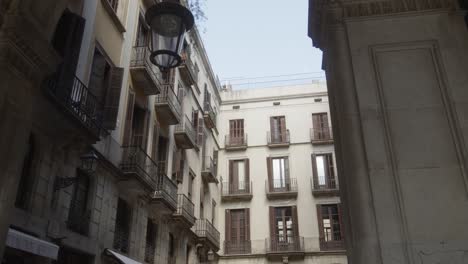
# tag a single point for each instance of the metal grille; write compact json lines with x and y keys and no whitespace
{"x":283,"y":185}
{"x":238,"y":188}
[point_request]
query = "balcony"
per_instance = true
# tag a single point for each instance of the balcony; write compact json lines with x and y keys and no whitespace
{"x":209,"y":170}
{"x":280,"y":189}
{"x":209,"y":116}
{"x":187,"y":71}
{"x":235,"y":142}
{"x":207,"y":234}
{"x":164,"y":199}
{"x":332,"y":245}
{"x":143,"y":73}
{"x":278,"y":140}
{"x":185,"y":211}
{"x":236,"y":192}
{"x":237,"y":247}
{"x":291,"y":247}
{"x":137,"y":166}
{"x":185,"y":135}
{"x":79,"y":222}
{"x":75,"y":99}
{"x":167,"y":106}
{"x":321,"y":136}
{"x":324,"y":187}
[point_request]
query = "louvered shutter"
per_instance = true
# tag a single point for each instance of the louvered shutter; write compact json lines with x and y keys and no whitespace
{"x":340,"y":217}
{"x":111,"y":108}
{"x":129,"y":119}
{"x":316,"y":126}
{"x":146,"y":130}
{"x":273,"y":130}
{"x":247,"y":176}
{"x":270,"y":173}
{"x":228,"y":225}
{"x":215,"y":160}
{"x":231,"y":177}
{"x":282,"y":123}
{"x":180,"y":174}
{"x":247,"y":224}
{"x":326,"y":127}
{"x":273,"y":238}
{"x":287,"y":179}
{"x":201,"y":132}
{"x":320,"y":226}
{"x":330,"y":172}
{"x":314,"y":171}
{"x":155,"y":141}
{"x":295,"y":218}
{"x":175,"y":163}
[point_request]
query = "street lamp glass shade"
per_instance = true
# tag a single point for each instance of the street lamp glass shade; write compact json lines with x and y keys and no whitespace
{"x":89,"y":162}
{"x":169,"y":22}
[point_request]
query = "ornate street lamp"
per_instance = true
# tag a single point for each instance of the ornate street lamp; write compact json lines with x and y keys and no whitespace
{"x":169,"y":21}
{"x":89,"y":162}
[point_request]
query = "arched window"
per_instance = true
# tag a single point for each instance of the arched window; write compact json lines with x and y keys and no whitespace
{"x":23,"y":195}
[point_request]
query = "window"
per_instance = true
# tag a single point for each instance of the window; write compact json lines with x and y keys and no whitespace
{"x":239,"y":177}
{"x":190,"y":184}
{"x":236,"y":132}
{"x":323,"y":171}
{"x":278,"y":129}
{"x":330,"y":225}
{"x":237,"y":231}
{"x":79,"y":215}
{"x":321,"y":129}
{"x":142,"y":38}
{"x":283,"y":227}
{"x":26,"y":183}
{"x":213,"y":211}
{"x":171,"y":246}
{"x":151,"y":235}
{"x":122,"y":226}
{"x":278,"y":174}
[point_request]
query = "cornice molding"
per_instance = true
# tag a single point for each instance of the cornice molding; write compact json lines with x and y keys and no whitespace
{"x":273,"y":98}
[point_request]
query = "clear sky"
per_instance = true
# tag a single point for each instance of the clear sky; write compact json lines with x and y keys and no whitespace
{"x":255,"y":38}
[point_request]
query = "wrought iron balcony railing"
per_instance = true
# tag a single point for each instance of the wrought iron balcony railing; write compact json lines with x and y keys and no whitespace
{"x":73,"y":95}
{"x":321,"y":135}
{"x":168,"y":99}
{"x":237,"y":247}
{"x":284,"y":244}
{"x":136,"y":161}
{"x":209,"y":115}
{"x":233,"y":189}
{"x":280,"y":138}
{"x":281,"y":188}
{"x":209,"y":169}
{"x":149,"y":78}
{"x":188,"y":70}
{"x":235,"y":142}
{"x":185,"y":209}
{"x":166,"y":191}
{"x":185,"y":134}
{"x":324,"y":184}
{"x":205,"y":230}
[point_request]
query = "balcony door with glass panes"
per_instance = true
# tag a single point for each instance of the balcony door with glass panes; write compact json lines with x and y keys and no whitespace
{"x":285,"y":228}
{"x":238,"y":176}
{"x":236,"y":131}
{"x":324,"y":171}
{"x":280,"y":174}
{"x":320,"y":126}
{"x":278,"y":129}
{"x":330,"y":226}
{"x":237,"y":226}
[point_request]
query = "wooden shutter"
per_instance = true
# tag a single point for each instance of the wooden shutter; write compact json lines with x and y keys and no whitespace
{"x":201,"y":131}
{"x":247,"y":224}
{"x":270,"y":173}
{"x":111,"y":108}
{"x":181,"y":167}
{"x":129,"y":119}
{"x":154,"y":146}
{"x":273,"y":129}
{"x":247,"y":175}
{"x":286,"y":172}
{"x":320,"y":226}
{"x":180,"y":93}
{"x":215,"y":160}
{"x":330,"y":171}
{"x":314,"y":171}
{"x":227,"y":228}
{"x":295,"y":221}
{"x":175,"y":162}
{"x":316,"y":126}
{"x":146,"y":130}
{"x":340,"y":217}
{"x":272,"y":225}
{"x":282,"y":123}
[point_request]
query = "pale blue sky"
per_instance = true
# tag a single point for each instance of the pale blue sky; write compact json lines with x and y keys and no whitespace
{"x":253,"y":38}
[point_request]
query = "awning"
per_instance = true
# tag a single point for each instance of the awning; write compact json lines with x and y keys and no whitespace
{"x":119,"y":257}
{"x":34,"y":245}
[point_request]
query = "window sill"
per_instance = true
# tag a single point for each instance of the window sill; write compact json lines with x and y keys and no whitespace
{"x":113,"y":16}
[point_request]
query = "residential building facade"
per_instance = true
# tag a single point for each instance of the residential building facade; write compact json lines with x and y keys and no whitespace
{"x":83,"y":82}
{"x":397,"y":101}
{"x":279,"y":188}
